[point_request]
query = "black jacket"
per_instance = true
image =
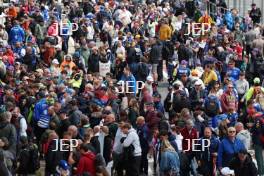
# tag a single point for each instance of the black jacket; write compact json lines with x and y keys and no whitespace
{"x":155,"y":53}
{"x":107,"y":147}
{"x":246,"y":169}
{"x":8,"y":131}
{"x":93,"y":63}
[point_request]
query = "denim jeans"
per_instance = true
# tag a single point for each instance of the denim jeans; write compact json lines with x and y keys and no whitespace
{"x":259,"y":157}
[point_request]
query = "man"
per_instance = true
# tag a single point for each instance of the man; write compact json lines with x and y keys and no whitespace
{"x":243,"y":165}
{"x":41,"y":116}
{"x":189,"y":133}
{"x":157,"y":103}
{"x":207,"y":159}
{"x":232,"y":71}
{"x":87,"y":161}
{"x":144,"y":137}
{"x":228,"y":147}
{"x":255,"y":13}
{"x":165,"y":31}
{"x":21,"y":123}
{"x":242,"y":85}
{"x":17,"y":33}
{"x":197,"y":95}
{"x":129,"y":81}
{"x":134,"y":158}
{"x":259,"y":44}
{"x":209,"y":75}
{"x":243,"y":135}
{"x":64,"y":122}
{"x":183,"y":69}
{"x":155,"y":57}
{"x":93,"y":61}
{"x":228,"y":100}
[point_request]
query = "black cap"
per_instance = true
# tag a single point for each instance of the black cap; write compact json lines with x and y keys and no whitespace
{"x":243,"y":151}
{"x":63,"y":111}
{"x":253,"y":4}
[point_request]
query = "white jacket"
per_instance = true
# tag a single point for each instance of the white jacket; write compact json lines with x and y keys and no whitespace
{"x":244,"y":136}
{"x":132,"y":138}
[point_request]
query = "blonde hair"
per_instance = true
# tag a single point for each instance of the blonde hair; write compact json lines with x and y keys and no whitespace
{"x":166,"y":146}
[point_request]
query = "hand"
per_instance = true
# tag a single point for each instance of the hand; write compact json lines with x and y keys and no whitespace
{"x":122,"y":139}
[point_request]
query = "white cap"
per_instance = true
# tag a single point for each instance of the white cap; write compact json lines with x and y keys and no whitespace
{"x":198,"y":82}
{"x":55,"y":61}
{"x":149,"y":78}
{"x":227,"y":171}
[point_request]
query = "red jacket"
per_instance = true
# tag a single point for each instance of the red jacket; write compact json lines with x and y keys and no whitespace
{"x":86,"y":164}
{"x":186,"y":144}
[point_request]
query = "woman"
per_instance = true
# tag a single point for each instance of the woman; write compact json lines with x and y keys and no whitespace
{"x":169,"y":163}
{"x":133,"y":111}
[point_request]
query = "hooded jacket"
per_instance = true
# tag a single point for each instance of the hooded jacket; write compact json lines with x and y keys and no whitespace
{"x":8,"y":131}
{"x":17,"y":34}
{"x":86,"y":164}
{"x":245,"y":137}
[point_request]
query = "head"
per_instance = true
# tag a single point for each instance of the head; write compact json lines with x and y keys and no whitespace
{"x":189,"y":124}
{"x":73,"y":130}
{"x":126,"y":127}
{"x":127,"y":71}
{"x":239,"y":127}
{"x":207,"y":132}
{"x":110,"y":118}
{"x":230,"y":87}
{"x":231,"y":132}
{"x":140,"y":121}
{"x":242,"y":155}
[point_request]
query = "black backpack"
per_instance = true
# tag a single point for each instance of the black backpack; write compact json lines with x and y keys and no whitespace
{"x":34,"y":163}
{"x":142,"y":71}
{"x":211,"y":106}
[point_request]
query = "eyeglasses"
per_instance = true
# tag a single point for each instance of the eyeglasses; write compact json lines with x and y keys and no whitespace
{"x":230,"y":87}
{"x":231,"y":131}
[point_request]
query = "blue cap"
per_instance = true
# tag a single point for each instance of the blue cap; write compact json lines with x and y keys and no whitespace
{"x":64,"y":165}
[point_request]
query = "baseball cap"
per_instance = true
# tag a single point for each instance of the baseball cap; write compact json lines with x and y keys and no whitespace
{"x":55,"y":61}
{"x":64,"y":165}
{"x":184,"y":62}
{"x":256,"y":80}
{"x":149,"y":78}
{"x":198,"y":83}
{"x":227,"y":171}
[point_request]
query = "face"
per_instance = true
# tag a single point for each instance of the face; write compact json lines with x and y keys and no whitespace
{"x":125,"y":130}
{"x":207,"y":133}
{"x":242,"y":156}
{"x":231,"y":132}
{"x":230,"y":88}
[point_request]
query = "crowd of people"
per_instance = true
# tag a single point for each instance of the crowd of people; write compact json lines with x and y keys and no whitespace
{"x":82,"y":86}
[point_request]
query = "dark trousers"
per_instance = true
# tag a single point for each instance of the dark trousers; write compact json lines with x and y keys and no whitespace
{"x":118,"y":164}
{"x":132,"y":168}
{"x":144,"y":162}
{"x":160,"y":70}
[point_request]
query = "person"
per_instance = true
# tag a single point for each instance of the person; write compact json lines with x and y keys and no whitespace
{"x":255,"y":13}
{"x":243,"y":165}
{"x":87,"y":161}
{"x":243,"y":135}
{"x":207,"y":159}
{"x":228,"y":148}
{"x":169,"y":161}
{"x":228,"y":100}
{"x":132,"y":165}
{"x":145,"y":138}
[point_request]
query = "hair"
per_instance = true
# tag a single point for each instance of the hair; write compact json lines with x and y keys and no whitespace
{"x":166,"y":146}
{"x":239,"y":124}
{"x":126,"y":125}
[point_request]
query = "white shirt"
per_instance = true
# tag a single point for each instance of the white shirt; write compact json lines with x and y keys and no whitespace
{"x":23,"y":127}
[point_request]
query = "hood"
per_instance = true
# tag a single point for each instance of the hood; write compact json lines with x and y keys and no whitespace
{"x":244,"y":133}
{"x":89,"y":155}
{"x":3,"y":125}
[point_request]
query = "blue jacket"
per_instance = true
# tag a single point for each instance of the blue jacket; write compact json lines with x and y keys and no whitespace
{"x":182,"y":70}
{"x":233,"y":73}
{"x":169,"y":161}
{"x":227,"y":150}
{"x":17,"y":34}
{"x":206,"y":154}
{"x":41,"y":113}
{"x":131,"y":84}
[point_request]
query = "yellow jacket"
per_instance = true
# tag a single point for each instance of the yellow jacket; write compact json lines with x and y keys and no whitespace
{"x":209,"y":76}
{"x":165,"y":32}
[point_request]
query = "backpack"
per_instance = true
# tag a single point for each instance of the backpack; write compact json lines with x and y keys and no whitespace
{"x":34,"y":163}
{"x":180,"y":101}
{"x":143,"y":71}
{"x":211,"y":106}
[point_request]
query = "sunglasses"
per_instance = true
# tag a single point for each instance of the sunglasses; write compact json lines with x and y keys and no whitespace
{"x":231,"y":131}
